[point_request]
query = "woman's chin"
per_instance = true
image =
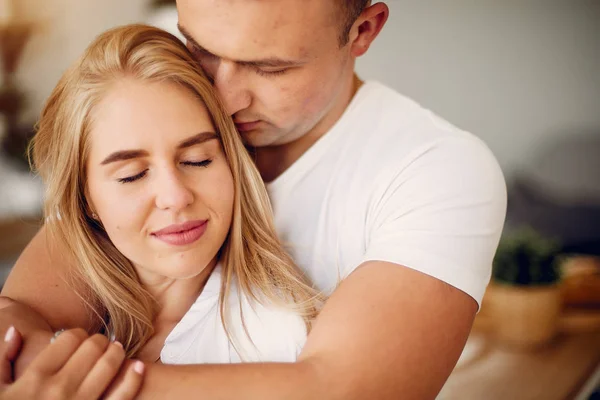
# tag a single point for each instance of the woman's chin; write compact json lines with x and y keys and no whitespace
{"x":187,"y":267}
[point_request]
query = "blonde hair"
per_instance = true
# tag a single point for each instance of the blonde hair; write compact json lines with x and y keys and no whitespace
{"x":251,"y":255}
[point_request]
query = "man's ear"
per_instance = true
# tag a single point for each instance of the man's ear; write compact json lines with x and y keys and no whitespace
{"x":366,"y":28}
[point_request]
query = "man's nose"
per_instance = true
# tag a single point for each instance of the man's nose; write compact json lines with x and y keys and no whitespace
{"x":232,"y":84}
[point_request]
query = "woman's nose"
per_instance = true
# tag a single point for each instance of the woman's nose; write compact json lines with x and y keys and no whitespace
{"x":172,"y":193}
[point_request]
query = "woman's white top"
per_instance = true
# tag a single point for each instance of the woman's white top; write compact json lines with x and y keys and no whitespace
{"x":276,"y":334}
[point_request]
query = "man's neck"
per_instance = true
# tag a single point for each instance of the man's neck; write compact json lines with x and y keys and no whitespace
{"x":273,"y":161}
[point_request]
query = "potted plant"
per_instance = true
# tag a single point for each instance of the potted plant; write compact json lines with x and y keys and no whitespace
{"x":524,"y":300}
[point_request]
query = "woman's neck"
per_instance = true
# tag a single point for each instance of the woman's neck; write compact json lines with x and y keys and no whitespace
{"x":175,"y":296}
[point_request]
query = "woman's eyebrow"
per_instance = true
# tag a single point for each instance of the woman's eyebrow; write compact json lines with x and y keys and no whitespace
{"x":124,"y":155}
{"x":197,"y":139}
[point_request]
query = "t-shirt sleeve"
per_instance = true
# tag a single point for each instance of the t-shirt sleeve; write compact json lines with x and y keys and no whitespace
{"x":441,"y":213}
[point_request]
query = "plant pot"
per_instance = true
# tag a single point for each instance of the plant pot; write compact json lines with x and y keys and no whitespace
{"x":524,"y":316}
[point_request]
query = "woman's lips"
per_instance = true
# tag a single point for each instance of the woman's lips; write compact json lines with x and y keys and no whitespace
{"x":182,"y":234}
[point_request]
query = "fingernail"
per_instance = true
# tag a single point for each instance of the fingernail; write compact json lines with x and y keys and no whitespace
{"x":139,"y":367}
{"x":10,"y":334}
{"x":118,"y":344}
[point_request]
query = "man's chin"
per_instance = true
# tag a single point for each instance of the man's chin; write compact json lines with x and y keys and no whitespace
{"x":257,"y":138}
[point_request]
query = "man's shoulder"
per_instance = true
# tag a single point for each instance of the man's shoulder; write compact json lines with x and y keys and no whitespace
{"x":374,"y":96}
{"x":392,"y":128}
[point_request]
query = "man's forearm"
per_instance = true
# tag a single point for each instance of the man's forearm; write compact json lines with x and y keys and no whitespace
{"x":251,"y":381}
{"x":360,"y":347}
{"x":34,"y":329}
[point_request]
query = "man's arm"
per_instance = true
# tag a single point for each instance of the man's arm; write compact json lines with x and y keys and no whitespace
{"x":387,"y":332}
{"x":41,"y":278}
{"x":37,"y":299}
{"x":393,"y":328}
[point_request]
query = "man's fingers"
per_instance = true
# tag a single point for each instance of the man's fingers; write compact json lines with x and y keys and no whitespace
{"x":8,"y":353}
{"x":128,"y":387}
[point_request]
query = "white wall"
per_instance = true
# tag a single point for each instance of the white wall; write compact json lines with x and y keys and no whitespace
{"x":66,"y":28}
{"x":516,"y":72}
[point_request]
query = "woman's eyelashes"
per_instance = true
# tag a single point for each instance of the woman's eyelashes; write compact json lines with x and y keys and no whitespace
{"x":203,"y":163}
{"x":136,"y":177}
{"x":133,"y":178}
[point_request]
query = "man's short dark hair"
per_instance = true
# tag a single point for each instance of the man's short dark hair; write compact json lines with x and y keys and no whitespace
{"x":351,"y":9}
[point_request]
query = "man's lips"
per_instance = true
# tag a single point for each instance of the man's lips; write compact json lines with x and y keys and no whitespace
{"x":246,"y":126}
{"x":182,"y":234}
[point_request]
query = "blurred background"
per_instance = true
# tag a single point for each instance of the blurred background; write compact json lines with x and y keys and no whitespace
{"x":523,"y":75}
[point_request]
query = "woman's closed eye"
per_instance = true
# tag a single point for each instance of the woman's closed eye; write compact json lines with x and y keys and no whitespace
{"x":203,"y":163}
{"x":133,"y":178}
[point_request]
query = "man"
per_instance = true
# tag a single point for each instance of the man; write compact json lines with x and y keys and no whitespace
{"x":371,"y":191}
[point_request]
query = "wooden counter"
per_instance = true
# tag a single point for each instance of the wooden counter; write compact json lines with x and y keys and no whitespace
{"x":490,"y":371}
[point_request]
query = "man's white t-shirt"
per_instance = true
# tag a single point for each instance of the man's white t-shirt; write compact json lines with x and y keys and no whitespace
{"x":274,"y":334}
{"x":393,"y":182}
{"x":390,"y":181}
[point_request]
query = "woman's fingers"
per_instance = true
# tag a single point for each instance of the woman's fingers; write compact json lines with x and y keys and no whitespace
{"x":127,"y":386}
{"x":72,"y":367}
{"x":8,"y":354}
{"x":14,"y":342}
{"x":54,"y":357}
{"x":81,"y":363}
{"x":103,"y":372}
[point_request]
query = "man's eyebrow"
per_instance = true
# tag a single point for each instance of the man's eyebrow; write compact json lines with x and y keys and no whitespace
{"x":190,"y":39}
{"x":124,"y":155}
{"x":270,"y":62}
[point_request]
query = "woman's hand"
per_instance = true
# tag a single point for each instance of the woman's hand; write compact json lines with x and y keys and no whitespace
{"x":33,"y":328}
{"x":74,"y":366}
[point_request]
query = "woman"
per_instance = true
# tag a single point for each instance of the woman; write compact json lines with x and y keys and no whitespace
{"x":152,"y":192}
